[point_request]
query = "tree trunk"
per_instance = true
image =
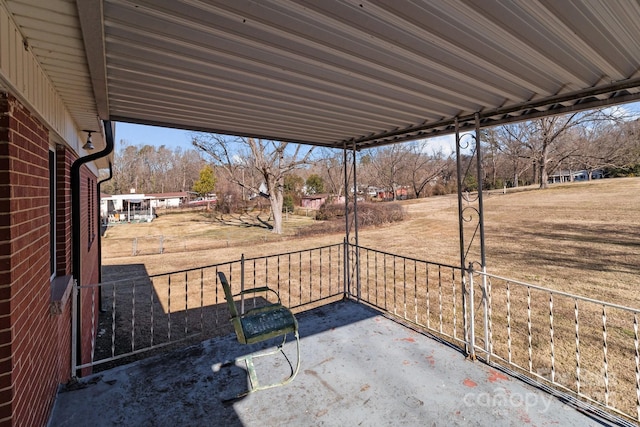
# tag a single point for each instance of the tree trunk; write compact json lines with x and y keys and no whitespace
{"x":276,"y":198}
{"x":276,"y":210}
{"x":544,"y":173}
{"x":544,"y":177}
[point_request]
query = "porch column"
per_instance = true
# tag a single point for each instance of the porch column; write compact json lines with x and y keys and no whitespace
{"x":356,"y":253}
{"x":346,"y":220}
{"x":463,"y":267}
{"x":351,"y":257}
{"x":471,"y":215}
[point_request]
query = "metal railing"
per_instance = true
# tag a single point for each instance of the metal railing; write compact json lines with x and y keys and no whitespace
{"x":427,"y":294}
{"x":146,"y":313}
{"x":576,"y":345}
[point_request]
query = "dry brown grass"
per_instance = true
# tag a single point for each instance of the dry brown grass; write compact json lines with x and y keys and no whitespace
{"x":582,"y":238}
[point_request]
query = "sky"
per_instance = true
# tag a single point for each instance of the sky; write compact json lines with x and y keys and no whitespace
{"x":152,"y":135}
{"x":173,"y":138}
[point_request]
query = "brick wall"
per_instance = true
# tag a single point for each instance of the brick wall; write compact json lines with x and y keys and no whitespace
{"x":89,"y":265}
{"x":34,"y":344}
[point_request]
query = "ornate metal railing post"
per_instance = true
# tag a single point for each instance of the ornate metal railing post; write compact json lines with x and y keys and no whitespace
{"x":483,"y":254}
{"x":471,"y":212}
{"x":356,"y":253}
{"x":351,"y":255}
{"x":461,"y":230}
{"x":347,"y":284}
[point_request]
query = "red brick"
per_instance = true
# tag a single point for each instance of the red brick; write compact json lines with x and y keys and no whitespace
{"x":6,"y":412}
{"x":5,"y":381}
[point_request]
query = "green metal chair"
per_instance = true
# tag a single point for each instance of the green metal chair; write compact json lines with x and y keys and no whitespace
{"x":260,"y":324}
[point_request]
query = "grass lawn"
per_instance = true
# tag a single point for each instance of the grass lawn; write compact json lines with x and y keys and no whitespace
{"x":582,"y":238}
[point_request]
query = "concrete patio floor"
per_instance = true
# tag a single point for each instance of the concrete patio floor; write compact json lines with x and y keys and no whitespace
{"x":358,"y":368}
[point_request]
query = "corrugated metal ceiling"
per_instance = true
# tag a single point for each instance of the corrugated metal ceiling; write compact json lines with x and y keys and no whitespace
{"x":328,"y":71}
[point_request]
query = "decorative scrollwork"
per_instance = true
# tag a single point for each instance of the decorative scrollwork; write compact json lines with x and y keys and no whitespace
{"x":464,"y":141}
{"x":468,"y":213}
{"x":470,"y":197}
{"x":470,"y":201}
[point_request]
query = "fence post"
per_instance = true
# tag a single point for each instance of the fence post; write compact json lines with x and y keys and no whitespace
{"x":485,"y":306}
{"x":472,"y":330}
{"x":161,"y":243}
{"x":345,"y":268}
{"x":242,"y":284}
{"x":135,"y":246}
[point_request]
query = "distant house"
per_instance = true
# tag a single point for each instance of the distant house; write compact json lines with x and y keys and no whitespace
{"x":168,"y":200}
{"x":314,"y":201}
{"x":571,"y":176}
{"x":386,"y":195}
{"x":126,"y":208}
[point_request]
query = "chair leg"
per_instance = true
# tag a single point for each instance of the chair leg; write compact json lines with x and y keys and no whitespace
{"x":294,"y":371}
{"x":253,"y":377}
{"x":297,"y":368}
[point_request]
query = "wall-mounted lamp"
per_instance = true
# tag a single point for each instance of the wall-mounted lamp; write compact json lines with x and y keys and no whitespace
{"x":89,"y":144}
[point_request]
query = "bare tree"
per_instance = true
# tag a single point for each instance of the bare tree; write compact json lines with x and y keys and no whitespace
{"x":186,"y":169}
{"x":390,"y":166}
{"x":330,"y":167}
{"x":546,"y":139}
{"x":165,"y":160}
{"x":272,"y":160}
{"x":125,"y":169}
{"x":495,"y":162}
{"x":509,"y":140}
{"x":602,"y":145}
{"x":150,"y":169}
{"x":422,"y":168}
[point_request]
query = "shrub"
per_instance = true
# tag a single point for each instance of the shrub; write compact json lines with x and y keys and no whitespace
{"x":369,"y":215}
{"x":330,"y":211}
{"x":372,"y":214}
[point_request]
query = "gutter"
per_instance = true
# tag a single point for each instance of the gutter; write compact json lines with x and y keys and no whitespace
{"x":75,"y":226}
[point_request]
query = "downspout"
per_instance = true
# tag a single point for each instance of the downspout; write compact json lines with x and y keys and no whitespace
{"x":100,"y":238}
{"x":75,"y":222}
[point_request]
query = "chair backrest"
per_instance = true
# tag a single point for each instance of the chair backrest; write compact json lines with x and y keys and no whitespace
{"x":235,"y":318}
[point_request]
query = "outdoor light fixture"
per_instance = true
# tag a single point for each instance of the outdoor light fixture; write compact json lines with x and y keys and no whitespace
{"x":89,"y":144}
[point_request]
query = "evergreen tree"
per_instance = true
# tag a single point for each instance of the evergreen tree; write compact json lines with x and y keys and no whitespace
{"x":206,"y":183}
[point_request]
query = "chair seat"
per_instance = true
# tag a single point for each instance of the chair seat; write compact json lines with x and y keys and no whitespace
{"x":267,"y":322}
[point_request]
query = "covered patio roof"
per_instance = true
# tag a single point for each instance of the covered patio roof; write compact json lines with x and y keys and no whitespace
{"x":330,"y":72}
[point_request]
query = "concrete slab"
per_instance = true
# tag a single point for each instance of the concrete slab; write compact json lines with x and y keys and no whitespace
{"x":358,"y":368}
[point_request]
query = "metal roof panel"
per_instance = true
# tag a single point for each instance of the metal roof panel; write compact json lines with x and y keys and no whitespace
{"x":325,"y":72}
